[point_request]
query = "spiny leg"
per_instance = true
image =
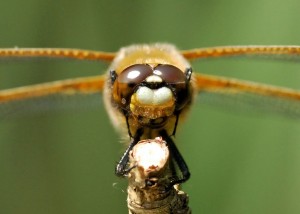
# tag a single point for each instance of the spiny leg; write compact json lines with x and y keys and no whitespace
{"x":127,"y":123}
{"x":121,"y":169}
{"x":176,"y":123}
{"x":176,"y":156}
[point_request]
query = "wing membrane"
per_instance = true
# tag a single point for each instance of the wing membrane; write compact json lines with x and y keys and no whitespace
{"x":247,"y":96}
{"x":278,"y":52}
{"x":272,"y":52}
{"x":50,"y":104}
{"x":83,"y":85}
{"x":56,"y":53}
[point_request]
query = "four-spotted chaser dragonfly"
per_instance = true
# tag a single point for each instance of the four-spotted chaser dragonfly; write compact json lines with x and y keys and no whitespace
{"x":149,"y":89}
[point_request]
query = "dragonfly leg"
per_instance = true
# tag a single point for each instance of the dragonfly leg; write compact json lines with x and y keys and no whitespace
{"x":177,"y":157}
{"x":121,"y":169}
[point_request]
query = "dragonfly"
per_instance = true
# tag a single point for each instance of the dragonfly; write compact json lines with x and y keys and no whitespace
{"x":149,"y":88}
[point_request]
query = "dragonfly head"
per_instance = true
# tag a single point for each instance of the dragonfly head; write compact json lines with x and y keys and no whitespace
{"x":151,"y":91}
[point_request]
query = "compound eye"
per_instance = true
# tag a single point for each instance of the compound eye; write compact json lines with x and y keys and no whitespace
{"x":134,"y":74}
{"x":126,"y":82}
{"x":170,"y":74}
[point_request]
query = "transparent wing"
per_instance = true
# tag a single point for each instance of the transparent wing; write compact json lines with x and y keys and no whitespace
{"x":77,"y":54}
{"x":84,"y":85}
{"x":243,"y":96}
{"x":64,"y":94}
{"x":50,"y":104}
{"x":265,"y":52}
{"x":279,"y":52}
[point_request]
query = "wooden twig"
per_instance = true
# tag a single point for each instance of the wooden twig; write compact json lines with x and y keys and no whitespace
{"x":150,"y":190}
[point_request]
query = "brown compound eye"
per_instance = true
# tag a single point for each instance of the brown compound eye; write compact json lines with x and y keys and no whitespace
{"x":170,"y":74}
{"x":127,"y":80}
{"x":177,"y":80}
{"x":134,"y":74}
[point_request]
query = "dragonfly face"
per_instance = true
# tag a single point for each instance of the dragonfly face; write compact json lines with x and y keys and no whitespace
{"x":150,"y":95}
{"x":149,"y":86}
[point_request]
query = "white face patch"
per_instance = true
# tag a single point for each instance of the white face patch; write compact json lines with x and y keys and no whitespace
{"x":162,"y":95}
{"x":153,"y":78}
{"x":149,"y":96}
{"x":144,"y":95}
{"x":133,"y":74}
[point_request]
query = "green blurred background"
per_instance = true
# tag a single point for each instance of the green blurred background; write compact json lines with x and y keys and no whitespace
{"x":63,"y":161}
